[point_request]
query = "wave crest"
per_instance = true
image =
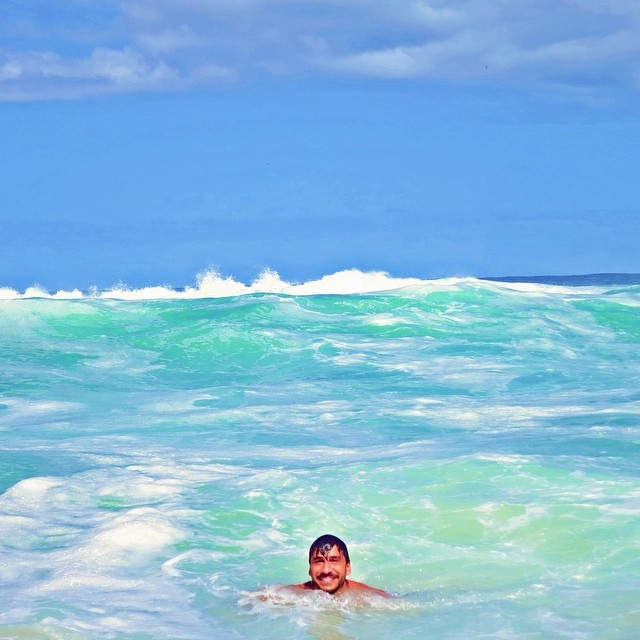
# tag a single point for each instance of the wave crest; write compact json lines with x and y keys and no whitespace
{"x":211,"y":284}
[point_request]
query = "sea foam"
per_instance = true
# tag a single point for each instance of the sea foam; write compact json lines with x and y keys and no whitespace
{"x":211,"y":284}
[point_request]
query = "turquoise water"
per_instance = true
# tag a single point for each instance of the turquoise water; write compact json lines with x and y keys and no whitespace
{"x":167,"y":456}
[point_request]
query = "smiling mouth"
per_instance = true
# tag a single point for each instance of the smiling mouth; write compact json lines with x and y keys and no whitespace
{"x":327,"y":583}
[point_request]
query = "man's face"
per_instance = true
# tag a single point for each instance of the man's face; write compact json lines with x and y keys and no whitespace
{"x":329,"y":569}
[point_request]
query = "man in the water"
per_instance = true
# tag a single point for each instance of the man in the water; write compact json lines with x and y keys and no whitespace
{"x":329,"y":566}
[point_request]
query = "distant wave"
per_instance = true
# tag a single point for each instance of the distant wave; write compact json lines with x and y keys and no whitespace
{"x":590,"y":279}
{"x":211,"y":284}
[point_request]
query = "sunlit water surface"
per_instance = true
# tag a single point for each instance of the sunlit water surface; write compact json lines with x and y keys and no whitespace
{"x":167,"y":457}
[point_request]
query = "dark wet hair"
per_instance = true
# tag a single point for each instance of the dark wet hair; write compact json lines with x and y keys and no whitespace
{"x":325,"y":543}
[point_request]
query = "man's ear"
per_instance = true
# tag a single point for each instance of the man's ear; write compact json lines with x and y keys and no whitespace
{"x":348,"y":568}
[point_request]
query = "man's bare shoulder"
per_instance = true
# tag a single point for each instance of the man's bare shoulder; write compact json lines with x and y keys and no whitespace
{"x":350,"y":585}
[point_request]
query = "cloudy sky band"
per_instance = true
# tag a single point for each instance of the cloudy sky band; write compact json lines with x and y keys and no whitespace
{"x":87,"y":48}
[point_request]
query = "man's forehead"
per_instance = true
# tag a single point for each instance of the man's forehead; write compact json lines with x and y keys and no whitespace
{"x":327,"y":550}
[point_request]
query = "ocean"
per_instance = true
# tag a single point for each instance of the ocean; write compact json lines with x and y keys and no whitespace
{"x":167,"y":456}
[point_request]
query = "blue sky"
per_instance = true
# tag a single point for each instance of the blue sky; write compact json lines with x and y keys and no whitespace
{"x":146,"y":140}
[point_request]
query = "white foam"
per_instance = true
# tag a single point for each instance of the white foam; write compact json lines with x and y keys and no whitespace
{"x":17,"y":534}
{"x":143,"y":531}
{"x":76,"y":294}
{"x":30,"y":490}
{"x":495,"y":416}
{"x":384,"y":320}
{"x":290,"y":601}
{"x":74,"y":579}
{"x":41,"y":408}
{"x":128,"y":540}
{"x":13,"y":521}
{"x":211,"y":284}
{"x":545,"y":289}
{"x":143,"y":489}
{"x":189,"y":473}
{"x":172,"y":566}
{"x":6,"y":293}
{"x":36,"y":292}
{"x":353,"y":281}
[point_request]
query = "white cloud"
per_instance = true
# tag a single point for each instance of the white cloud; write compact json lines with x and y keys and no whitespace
{"x":454,"y":58}
{"x":544,"y":42}
{"x":588,"y":50}
{"x":169,"y":44}
{"x":34,"y":74}
{"x":397,"y":62}
{"x":170,"y":40}
{"x":436,"y":17}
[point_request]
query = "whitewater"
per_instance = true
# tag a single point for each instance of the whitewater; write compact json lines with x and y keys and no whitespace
{"x":167,"y":456}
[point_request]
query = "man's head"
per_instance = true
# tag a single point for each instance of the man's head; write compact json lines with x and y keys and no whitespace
{"x":329,"y":563}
